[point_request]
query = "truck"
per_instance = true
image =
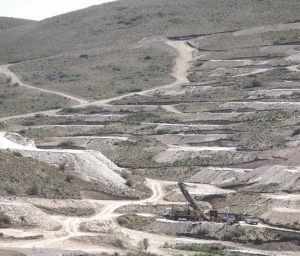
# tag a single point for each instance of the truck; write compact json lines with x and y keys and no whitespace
{"x":192,"y":212}
{"x":251,"y":220}
{"x":230,"y":219}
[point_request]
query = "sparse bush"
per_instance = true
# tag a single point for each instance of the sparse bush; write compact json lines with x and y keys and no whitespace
{"x":23,"y":131}
{"x":122,"y":221}
{"x":296,"y":132}
{"x":166,"y":245}
{"x":62,"y":167}
{"x":128,"y":183}
{"x":146,"y":243}
{"x":124,"y":175}
{"x":10,"y":190}
{"x":175,"y":20}
{"x":8,"y":80}
{"x":134,"y":89}
{"x":233,"y":234}
{"x":162,"y":131}
{"x":199,"y":63}
{"x":69,"y":178}
{"x":16,"y":153}
{"x":201,"y":248}
{"x":28,"y":123}
{"x":203,"y":231}
{"x":67,"y":143}
{"x":84,"y":56}
{"x":22,"y":218}
{"x":33,"y":190}
{"x":118,"y":243}
{"x":13,"y":179}
{"x":39,"y":115}
{"x":256,"y":83}
{"x":4,"y":219}
{"x":69,"y":110}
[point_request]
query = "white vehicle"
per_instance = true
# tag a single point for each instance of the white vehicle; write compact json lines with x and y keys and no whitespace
{"x":251,"y":220}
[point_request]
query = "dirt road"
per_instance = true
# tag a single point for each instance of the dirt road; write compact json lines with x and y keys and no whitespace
{"x":71,"y":229}
{"x":179,"y":72}
{"x":15,"y":79}
{"x":70,"y":226}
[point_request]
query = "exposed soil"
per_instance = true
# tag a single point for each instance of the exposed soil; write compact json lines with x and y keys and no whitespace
{"x":96,"y":230}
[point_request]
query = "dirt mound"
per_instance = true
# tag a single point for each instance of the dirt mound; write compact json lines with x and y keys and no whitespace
{"x":283,"y":178}
{"x":28,"y":216}
{"x":63,"y":207}
{"x":100,"y":226}
{"x":15,"y":141}
{"x":86,"y":164}
{"x":280,"y":246}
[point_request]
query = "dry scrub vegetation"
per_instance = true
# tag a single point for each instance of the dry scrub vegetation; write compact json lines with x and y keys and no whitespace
{"x":15,"y":99}
{"x":21,"y":176}
{"x":233,"y":125}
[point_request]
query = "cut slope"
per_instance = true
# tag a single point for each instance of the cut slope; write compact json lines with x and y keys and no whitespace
{"x":88,"y":165}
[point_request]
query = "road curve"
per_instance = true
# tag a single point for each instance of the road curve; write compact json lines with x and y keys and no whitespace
{"x":15,"y":79}
{"x":185,"y":56}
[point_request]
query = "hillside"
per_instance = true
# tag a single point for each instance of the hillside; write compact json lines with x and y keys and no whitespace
{"x":8,"y":23}
{"x":102,"y":106}
{"x":99,"y":45}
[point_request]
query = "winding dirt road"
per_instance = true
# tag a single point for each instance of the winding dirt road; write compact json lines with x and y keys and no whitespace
{"x":15,"y":79}
{"x":70,"y":226}
{"x":185,"y":56}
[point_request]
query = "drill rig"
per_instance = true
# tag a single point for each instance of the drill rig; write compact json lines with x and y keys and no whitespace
{"x":194,"y":214}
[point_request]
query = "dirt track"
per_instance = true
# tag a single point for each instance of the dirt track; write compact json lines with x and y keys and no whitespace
{"x":15,"y":79}
{"x":71,"y":225}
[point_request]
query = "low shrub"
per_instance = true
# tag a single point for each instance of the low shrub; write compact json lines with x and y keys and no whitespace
{"x":69,"y":178}
{"x":4,"y":219}
{"x":122,"y":221}
{"x":33,"y":190}
{"x":16,"y":153}
{"x":128,"y":183}
{"x":118,"y":243}
{"x":10,"y":190}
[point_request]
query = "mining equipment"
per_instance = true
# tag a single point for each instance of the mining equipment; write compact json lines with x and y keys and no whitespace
{"x":192,"y":212}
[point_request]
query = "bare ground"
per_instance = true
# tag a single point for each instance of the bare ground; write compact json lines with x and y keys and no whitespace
{"x":70,"y":235}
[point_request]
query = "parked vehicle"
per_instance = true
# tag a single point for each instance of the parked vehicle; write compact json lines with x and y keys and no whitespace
{"x":251,"y":220}
{"x":230,"y":219}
